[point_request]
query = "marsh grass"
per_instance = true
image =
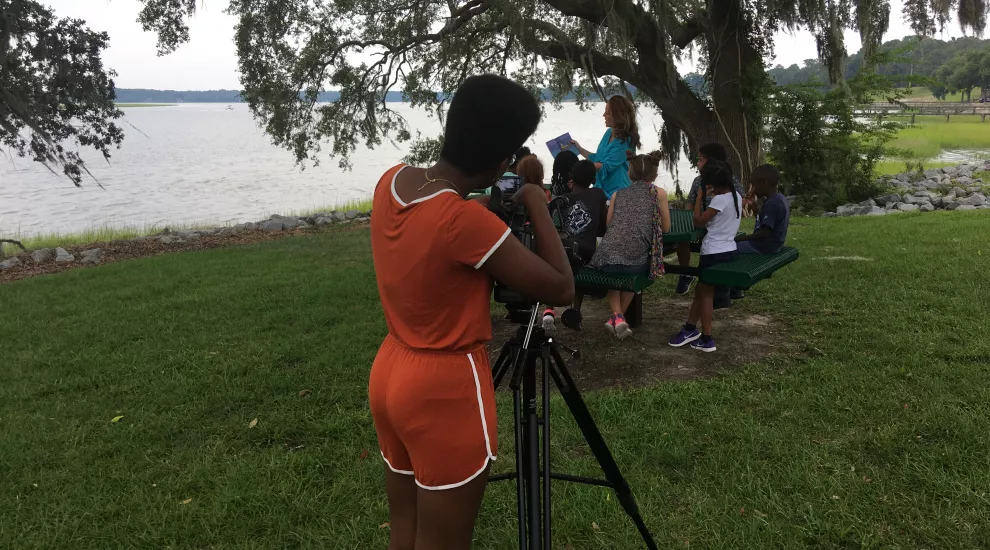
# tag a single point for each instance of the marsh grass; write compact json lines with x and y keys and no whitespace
{"x":111,"y":232}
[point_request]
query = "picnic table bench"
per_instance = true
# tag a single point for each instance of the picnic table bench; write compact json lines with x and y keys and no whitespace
{"x":744,"y":271}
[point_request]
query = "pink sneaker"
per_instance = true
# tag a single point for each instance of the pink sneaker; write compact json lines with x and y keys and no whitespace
{"x":610,"y":324}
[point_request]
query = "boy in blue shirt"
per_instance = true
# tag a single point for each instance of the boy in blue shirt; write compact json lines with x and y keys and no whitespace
{"x":770,"y":229}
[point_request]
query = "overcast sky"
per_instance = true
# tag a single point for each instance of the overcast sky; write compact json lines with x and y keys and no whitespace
{"x":209,"y":60}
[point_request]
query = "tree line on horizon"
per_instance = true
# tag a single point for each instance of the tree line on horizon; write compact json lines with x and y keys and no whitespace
{"x":933,"y":59}
{"x":945,"y":64}
{"x":148,"y":95}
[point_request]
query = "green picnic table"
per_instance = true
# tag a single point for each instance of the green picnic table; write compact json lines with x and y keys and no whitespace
{"x":743,"y":272}
{"x":682,"y":229}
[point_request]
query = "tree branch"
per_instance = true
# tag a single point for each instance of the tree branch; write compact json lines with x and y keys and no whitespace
{"x":593,"y":11}
{"x":682,"y":34}
{"x":572,"y":53}
{"x":12,"y":241}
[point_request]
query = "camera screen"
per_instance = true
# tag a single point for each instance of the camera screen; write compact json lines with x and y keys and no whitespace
{"x":509,"y":185}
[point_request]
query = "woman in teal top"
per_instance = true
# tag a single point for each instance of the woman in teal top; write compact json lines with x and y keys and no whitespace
{"x":610,"y":157}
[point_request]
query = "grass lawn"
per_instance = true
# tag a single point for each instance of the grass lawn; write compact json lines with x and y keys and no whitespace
{"x":922,"y":93}
{"x":875,"y":436}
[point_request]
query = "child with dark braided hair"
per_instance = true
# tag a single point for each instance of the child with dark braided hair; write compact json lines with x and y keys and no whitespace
{"x":721,"y":219}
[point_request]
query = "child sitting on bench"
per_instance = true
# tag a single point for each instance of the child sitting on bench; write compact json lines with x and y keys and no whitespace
{"x":530,"y":171}
{"x":721,"y":218}
{"x":585,"y":223}
{"x":638,"y":216}
{"x":770,"y":229}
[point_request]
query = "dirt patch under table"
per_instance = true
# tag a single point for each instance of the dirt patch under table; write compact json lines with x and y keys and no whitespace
{"x":742,"y":337}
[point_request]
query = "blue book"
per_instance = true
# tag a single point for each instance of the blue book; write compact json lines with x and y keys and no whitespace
{"x":561,"y":143}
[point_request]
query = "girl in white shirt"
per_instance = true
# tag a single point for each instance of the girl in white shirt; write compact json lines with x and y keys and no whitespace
{"x":721,"y":219}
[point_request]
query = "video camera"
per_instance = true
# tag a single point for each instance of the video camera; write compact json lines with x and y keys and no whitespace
{"x":515,"y":216}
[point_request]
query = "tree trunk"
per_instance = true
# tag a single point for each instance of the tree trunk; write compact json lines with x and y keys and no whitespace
{"x":733,"y":63}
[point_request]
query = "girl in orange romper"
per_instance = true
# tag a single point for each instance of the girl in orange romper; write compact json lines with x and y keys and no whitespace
{"x":435,"y":254}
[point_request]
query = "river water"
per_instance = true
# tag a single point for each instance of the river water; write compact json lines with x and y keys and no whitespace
{"x":205,"y":163}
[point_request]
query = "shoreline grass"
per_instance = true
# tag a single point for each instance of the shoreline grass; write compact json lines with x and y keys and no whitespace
{"x":103,"y":233}
{"x":930,"y":138}
{"x":875,"y":436}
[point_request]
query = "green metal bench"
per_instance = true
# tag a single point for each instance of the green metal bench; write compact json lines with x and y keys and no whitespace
{"x":745,"y":270}
{"x":742,"y":272}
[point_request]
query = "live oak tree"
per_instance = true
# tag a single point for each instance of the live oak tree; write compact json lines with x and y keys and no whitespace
{"x":55,"y":94}
{"x":291,"y":49}
{"x":963,"y":73}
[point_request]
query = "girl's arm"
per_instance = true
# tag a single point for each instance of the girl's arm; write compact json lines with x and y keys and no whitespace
{"x":664,"y":210}
{"x":611,"y":209}
{"x":702,"y":217}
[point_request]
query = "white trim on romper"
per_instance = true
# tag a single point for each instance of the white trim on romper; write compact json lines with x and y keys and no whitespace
{"x":489,"y":254}
{"x":484,"y":428}
{"x":390,"y":467}
{"x":421,"y":199}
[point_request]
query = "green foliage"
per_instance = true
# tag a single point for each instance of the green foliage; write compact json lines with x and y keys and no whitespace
{"x":963,"y":73}
{"x":292,"y":50}
{"x":826,"y":152}
{"x":920,"y":56}
{"x":55,"y":93}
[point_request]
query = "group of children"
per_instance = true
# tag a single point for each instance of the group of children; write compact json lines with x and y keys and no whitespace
{"x":631,"y":224}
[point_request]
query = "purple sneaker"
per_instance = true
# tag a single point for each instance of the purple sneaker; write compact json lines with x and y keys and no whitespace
{"x":685,"y":336}
{"x":705,"y":346}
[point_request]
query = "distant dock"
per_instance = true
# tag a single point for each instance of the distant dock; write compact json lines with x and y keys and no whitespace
{"x":939,"y":108}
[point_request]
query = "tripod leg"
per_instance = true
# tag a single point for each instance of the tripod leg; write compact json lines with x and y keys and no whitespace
{"x":520,"y":488}
{"x":532,"y":450}
{"x":565,"y":384}
{"x":502,"y":363}
{"x":545,"y":362}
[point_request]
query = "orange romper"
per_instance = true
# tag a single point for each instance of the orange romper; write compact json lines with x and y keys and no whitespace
{"x":431,"y":392}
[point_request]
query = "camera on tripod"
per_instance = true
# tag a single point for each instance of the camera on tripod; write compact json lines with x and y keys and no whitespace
{"x":515,"y":216}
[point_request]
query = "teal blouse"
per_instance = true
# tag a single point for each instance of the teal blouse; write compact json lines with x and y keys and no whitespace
{"x":614,"y":173}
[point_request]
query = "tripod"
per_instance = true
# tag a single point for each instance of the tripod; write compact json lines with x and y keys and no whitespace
{"x":520,"y":354}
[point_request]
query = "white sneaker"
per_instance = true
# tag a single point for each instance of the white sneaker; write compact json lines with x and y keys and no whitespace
{"x":622,"y":330}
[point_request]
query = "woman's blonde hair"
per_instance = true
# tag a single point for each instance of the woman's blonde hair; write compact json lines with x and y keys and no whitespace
{"x":624,"y":120}
{"x":644,"y":167}
{"x":530,"y":169}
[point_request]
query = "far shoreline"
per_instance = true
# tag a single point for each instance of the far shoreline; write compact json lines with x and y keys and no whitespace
{"x":131,"y":105}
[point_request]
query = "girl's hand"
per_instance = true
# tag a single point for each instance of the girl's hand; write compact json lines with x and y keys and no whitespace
{"x":529,"y":195}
